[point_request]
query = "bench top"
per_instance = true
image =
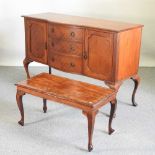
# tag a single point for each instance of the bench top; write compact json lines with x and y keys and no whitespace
{"x":61,"y":87}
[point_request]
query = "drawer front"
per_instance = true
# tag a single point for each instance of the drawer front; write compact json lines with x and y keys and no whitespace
{"x":71,"y":48}
{"x":70,"y":33}
{"x":65,"y":63}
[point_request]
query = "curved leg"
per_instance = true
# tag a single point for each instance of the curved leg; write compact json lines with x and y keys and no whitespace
{"x":136,"y":80}
{"x":26,"y":64}
{"x":116,"y":87}
{"x":44,"y":105}
{"x":112,"y":112}
{"x":19,"y":96}
{"x":91,"y":121}
{"x":50,"y":70}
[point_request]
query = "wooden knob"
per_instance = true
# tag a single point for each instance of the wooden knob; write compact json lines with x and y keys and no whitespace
{"x":72,"y":34}
{"x":72,"y":65}
{"x":85,"y":55}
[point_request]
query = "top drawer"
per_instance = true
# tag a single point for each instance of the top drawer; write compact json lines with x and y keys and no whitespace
{"x":64,"y":32}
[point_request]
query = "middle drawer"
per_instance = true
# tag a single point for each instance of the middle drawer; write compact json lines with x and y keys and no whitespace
{"x":60,"y":46}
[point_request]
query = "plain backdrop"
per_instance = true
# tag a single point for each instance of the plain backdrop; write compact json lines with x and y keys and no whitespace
{"x":12,"y":48}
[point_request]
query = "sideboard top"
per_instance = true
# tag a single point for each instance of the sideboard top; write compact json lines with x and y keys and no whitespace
{"x":84,"y":21}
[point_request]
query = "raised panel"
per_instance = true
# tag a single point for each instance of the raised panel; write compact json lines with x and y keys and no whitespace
{"x":98,"y":55}
{"x":36,"y":40}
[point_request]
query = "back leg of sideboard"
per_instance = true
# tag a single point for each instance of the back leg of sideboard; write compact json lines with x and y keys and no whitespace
{"x":136,"y":80}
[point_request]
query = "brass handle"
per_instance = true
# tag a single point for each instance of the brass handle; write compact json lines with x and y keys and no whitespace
{"x":85,"y":55}
{"x":72,"y":34}
{"x":72,"y":65}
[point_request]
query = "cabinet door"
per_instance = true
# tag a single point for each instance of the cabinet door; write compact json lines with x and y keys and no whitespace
{"x":36,"y":40}
{"x":98,"y":55}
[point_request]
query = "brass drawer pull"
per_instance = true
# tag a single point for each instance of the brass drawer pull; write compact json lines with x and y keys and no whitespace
{"x":72,"y":34}
{"x":72,"y":65}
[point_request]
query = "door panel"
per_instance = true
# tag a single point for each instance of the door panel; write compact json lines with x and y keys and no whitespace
{"x":98,"y":55}
{"x":36,"y":40}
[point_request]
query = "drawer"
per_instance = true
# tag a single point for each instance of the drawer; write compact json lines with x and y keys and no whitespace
{"x":64,"y":32}
{"x":71,"y":48}
{"x":65,"y":63}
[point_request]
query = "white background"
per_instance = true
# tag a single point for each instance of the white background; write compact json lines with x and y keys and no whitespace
{"x":12,"y":27}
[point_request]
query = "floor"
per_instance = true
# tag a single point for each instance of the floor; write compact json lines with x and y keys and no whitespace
{"x":63,"y":130}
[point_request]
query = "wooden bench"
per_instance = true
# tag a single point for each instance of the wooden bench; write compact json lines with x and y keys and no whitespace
{"x":87,"y":97}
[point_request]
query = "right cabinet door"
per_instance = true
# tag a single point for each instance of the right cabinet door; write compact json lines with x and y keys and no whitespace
{"x":98,"y":55}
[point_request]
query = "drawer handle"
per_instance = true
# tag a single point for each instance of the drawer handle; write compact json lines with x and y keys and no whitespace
{"x":72,"y":65}
{"x":72,"y":34}
{"x":85,"y":55}
{"x":72,"y":48}
{"x":52,"y":44}
{"x":52,"y":30}
{"x":53,"y":59}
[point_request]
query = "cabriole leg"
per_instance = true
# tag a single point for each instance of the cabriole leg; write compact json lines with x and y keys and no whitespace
{"x":91,"y":121}
{"x":44,"y":105}
{"x":112,"y":112}
{"x":115,"y":87}
{"x":26,"y":63}
{"x":136,"y":80}
{"x":50,"y":70}
{"x":19,"y":96}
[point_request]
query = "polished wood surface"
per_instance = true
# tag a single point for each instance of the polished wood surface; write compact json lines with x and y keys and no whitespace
{"x":128,"y":53}
{"x":65,"y":47}
{"x":65,"y":32}
{"x":87,"y":97}
{"x":36,"y":40}
{"x":98,"y":55}
{"x":84,"y":21}
{"x":66,"y":63}
{"x":65,"y":88}
{"x":97,"y":48}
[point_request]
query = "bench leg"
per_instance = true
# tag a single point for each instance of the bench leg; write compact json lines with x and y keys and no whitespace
{"x":136,"y":80}
{"x":44,"y":105}
{"x":116,"y":88}
{"x":91,"y":121}
{"x":50,"y":70}
{"x":26,"y":65}
{"x":112,"y":112}
{"x":19,"y":96}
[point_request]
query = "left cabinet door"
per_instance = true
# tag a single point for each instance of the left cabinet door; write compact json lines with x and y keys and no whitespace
{"x":36,"y":40}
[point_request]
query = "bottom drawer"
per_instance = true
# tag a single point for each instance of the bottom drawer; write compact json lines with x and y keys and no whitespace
{"x":65,"y":63}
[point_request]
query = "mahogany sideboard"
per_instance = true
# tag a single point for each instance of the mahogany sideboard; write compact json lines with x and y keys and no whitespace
{"x":97,"y":48}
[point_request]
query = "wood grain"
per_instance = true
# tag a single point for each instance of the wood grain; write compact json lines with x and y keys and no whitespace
{"x":36,"y":40}
{"x":108,"y":25}
{"x":65,"y":88}
{"x":128,"y":53}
